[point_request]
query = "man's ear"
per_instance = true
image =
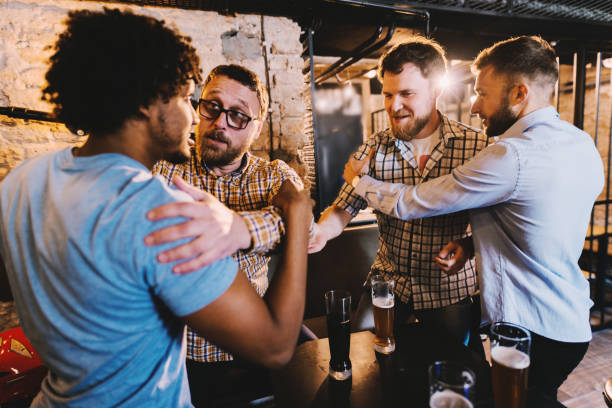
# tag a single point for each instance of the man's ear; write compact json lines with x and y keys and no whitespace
{"x":145,"y":111}
{"x":519,"y":93}
{"x":260,"y":123}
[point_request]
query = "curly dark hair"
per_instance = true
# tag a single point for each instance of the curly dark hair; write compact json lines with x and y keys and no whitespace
{"x":247,"y":78}
{"x":528,"y":56}
{"x":423,"y":52}
{"x":110,"y":63}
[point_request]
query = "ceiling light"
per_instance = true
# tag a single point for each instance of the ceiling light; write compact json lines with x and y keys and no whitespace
{"x":370,"y":74}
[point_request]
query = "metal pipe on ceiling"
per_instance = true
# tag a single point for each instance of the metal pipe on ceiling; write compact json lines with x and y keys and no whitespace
{"x":333,"y":68}
{"x":424,"y":14}
{"x":353,"y":58}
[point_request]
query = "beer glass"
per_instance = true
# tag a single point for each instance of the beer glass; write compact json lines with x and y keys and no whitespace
{"x":450,"y":385}
{"x":382,"y":307}
{"x":510,"y":345}
{"x":338,"y":310}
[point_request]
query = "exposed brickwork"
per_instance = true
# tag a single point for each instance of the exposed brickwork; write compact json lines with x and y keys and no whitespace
{"x":28,"y":27}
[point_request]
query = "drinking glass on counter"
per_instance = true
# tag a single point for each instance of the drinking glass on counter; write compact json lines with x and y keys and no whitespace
{"x":383,"y":302}
{"x":510,"y":345}
{"x":451,"y":385}
{"x":338,"y":310}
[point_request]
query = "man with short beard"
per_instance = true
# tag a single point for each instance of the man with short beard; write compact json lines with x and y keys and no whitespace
{"x":104,"y":315}
{"x":232,"y":109}
{"x":421,"y":145}
{"x":531,"y":195}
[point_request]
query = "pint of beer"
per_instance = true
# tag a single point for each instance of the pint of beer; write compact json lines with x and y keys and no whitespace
{"x":383,"y":308}
{"x":451,"y":385}
{"x":510,"y":346}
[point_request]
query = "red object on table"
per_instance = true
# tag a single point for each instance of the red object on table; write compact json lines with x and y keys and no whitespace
{"x":21,"y":370}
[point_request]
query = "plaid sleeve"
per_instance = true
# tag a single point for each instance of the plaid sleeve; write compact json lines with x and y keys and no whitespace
{"x":164,"y":169}
{"x":347,"y":199}
{"x":266,"y":224}
{"x":266,"y":228}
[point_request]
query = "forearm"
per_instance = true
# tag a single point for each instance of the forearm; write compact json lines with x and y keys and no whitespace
{"x":265,"y":228}
{"x":263,"y":331}
{"x":488,"y":179}
{"x":286,"y":295}
{"x":333,"y":221}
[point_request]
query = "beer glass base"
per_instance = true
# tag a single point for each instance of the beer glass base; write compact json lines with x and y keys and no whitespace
{"x":341,"y":375}
{"x":386,"y":349}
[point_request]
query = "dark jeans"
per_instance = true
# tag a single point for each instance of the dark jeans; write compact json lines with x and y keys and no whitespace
{"x":454,"y":321}
{"x":551,"y":362}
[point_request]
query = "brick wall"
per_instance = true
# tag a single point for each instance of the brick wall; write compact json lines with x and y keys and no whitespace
{"x":27,"y":27}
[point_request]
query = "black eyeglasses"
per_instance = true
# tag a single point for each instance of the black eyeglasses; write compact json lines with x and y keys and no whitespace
{"x":211,"y":110}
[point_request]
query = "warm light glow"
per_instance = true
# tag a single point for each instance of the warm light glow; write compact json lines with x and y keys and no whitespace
{"x":455,"y":62}
{"x":607,"y":63}
{"x":444,"y":82}
{"x":370,"y":74}
{"x":348,"y":91}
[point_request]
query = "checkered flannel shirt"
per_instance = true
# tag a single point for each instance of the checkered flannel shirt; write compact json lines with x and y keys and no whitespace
{"x":407,"y":248}
{"x":248,"y":191}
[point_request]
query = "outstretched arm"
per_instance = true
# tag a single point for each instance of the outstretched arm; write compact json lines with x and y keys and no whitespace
{"x":331,"y":224}
{"x":489,"y":178}
{"x":264,"y":330}
{"x":334,"y":219}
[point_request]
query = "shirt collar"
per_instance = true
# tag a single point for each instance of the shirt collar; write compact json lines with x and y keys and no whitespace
{"x":448,"y":129}
{"x":523,"y":124}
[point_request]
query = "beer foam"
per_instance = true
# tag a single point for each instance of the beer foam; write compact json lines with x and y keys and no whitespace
{"x":449,"y":399}
{"x":383,"y":302}
{"x":510,"y":357}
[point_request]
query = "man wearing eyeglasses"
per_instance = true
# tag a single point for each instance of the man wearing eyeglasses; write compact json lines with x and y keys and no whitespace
{"x":232,"y":110}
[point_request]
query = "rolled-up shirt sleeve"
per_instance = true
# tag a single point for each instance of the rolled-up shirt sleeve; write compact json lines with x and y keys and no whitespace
{"x":490,"y":178}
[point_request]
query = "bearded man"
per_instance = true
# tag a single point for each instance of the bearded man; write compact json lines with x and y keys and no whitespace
{"x":106,"y":318}
{"x":531,"y":194}
{"x":421,"y":145}
{"x":232,"y":109}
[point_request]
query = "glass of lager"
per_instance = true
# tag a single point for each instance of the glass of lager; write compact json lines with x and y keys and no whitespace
{"x":338,"y":310}
{"x":382,"y":307}
{"x":510,"y":346}
{"x":451,"y":385}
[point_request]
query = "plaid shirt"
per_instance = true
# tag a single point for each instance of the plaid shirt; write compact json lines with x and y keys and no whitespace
{"x":248,"y":191}
{"x":407,"y":248}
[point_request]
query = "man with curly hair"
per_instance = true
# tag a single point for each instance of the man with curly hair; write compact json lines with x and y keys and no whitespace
{"x":105,"y":316}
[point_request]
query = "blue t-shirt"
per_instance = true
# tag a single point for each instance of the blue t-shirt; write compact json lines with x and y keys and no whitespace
{"x":92,"y":299}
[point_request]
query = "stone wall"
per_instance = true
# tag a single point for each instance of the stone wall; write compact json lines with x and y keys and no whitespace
{"x":28,"y":27}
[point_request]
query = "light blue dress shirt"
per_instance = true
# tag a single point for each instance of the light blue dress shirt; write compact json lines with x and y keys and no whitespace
{"x":530,"y":195}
